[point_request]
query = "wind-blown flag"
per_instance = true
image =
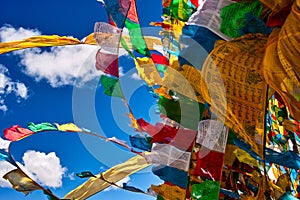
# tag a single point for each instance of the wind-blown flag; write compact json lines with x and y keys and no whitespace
{"x":85,"y":174}
{"x":147,"y":71}
{"x":5,"y":156}
{"x":179,"y":137}
{"x":124,"y":12}
{"x":169,"y":155}
{"x":111,"y":86}
{"x":208,"y":190}
{"x":108,"y":38}
{"x":118,"y":10}
{"x":38,"y":41}
{"x":45,"y":126}
{"x":114,"y":174}
{"x":169,"y":192}
{"x":68,"y":127}
{"x":167,"y":173}
{"x":16,"y":133}
{"x":212,"y":134}
{"x":21,"y":182}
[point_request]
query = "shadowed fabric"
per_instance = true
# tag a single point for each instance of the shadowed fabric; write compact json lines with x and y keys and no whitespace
{"x":21,"y":182}
{"x":114,"y":174}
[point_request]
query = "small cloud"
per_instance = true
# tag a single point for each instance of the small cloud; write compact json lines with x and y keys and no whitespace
{"x":8,"y":86}
{"x":4,"y":144}
{"x":59,"y":66}
{"x":70,"y":176}
{"x":9,"y":33}
{"x":5,"y":167}
{"x":44,"y":168}
{"x":119,"y":183}
{"x":121,"y":71}
{"x":135,"y":76}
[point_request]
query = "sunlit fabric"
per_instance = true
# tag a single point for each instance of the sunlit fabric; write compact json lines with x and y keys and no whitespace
{"x":233,"y":85}
{"x":45,"y":126}
{"x":38,"y":41}
{"x":212,"y":134}
{"x":278,"y":78}
{"x":165,"y":154}
{"x":147,"y":71}
{"x":21,"y":182}
{"x":68,"y":127}
{"x":114,"y":174}
{"x":16,"y":133}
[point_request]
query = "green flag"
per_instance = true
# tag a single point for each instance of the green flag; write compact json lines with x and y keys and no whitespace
{"x":45,"y":126}
{"x":208,"y":190}
{"x":85,"y":174}
{"x":136,"y":38}
{"x":111,"y":86}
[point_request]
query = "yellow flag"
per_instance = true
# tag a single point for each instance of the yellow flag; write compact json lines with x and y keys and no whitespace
{"x":148,"y":71}
{"x":68,"y":127}
{"x":20,"y":181}
{"x":169,"y":192}
{"x":55,"y":40}
{"x":114,"y":174}
{"x":244,"y":157}
{"x":233,"y":85}
{"x":38,"y":41}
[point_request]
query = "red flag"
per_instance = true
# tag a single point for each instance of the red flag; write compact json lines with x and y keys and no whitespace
{"x":160,"y":59}
{"x":16,"y":132}
{"x":108,"y":63}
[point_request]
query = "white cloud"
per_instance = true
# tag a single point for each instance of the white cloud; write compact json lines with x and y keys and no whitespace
{"x":5,"y":167}
{"x":4,"y":144}
{"x":44,"y":168}
{"x":70,"y":176}
{"x":59,"y":66}
{"x":8,"y":86}
{"x":135,"y":76}
{"x":119,"y":183}
{"x":65,"y":65}
{"x":9,"y":33}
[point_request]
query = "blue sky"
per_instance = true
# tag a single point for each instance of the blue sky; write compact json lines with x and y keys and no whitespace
{"x":61,"y":85}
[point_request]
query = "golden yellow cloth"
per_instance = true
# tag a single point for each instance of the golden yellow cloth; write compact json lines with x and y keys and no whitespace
{"x":234,"y":87}
{"x":147,"y":71}
{"x":55,"y":40}
{"x":169,"y":192}
{"x":68,"y":127}
{"x":229,"y":156}
{"x":244,"y":157}
{"x":184,"y":81}
{"x":278,"y":78}
{"x":114,"y":174}
{"x":21,"y":182}
{"x":276,"y":5}
{"x":38,"y":41}
{"x":289,"y":45}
